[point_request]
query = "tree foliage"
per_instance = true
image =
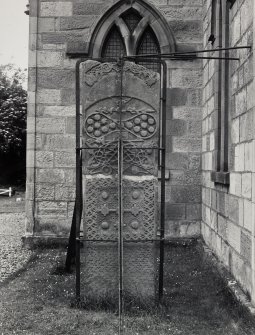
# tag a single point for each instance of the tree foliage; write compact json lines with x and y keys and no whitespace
{"x":13,"y":110}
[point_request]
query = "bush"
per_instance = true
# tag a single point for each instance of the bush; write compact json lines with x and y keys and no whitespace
{"x":13,"y":114}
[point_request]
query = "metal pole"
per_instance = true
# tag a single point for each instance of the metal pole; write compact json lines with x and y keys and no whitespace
{"x":120,"y":195}
{"x":78,"y":183}
{"x":163,"y":171}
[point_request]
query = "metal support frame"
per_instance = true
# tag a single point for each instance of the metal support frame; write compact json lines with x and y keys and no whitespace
{"x":75,"y":238}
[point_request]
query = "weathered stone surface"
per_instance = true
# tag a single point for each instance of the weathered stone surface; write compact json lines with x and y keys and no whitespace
{"x":63,"y":192}
{"x":44,"y":192}
{"x":90,"y":8}
{"x":56,"y":78}
{"x":56,"y":8}
{"x":193,"y":212}
{"x":64,"y":159}
{"x":174,"y":212}
{"x":186,"y":194}
{"x":246,"y":246}
{"x":52,"y":208}
{"x":50,"y":126}
{"x":77,"y":22}
{"x":234,"y":236}
{"x":50,"y":176}
{"x":44,"y":159}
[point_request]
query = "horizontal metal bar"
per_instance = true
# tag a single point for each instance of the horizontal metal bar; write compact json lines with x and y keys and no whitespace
{"x":116,"y":241}
{"x":145,"y":148}
{"x":186,"y":52}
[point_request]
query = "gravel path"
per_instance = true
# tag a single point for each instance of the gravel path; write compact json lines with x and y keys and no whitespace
{"x":12,"y":226}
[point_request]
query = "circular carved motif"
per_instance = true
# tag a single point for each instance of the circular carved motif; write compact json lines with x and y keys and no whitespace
{"x":135,"y":225}
{"x":105,"y":225}
{"x":137,"y":121}
{"x":135,"y":195}
{"x":105,"y":195}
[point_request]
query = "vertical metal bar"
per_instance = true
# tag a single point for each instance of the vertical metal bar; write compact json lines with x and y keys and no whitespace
{"x":78,"y":183}
{"x":120,"y":195}
{"x":163,"y":169}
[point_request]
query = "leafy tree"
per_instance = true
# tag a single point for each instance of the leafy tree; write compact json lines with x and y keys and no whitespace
{"x":13,"y":110}
{"x":13,"y":113}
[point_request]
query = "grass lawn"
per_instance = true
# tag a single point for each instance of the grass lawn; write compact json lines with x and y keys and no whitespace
{"x":38,"y":300}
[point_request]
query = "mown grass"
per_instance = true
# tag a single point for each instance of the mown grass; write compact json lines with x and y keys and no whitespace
{"x":40,"y":300}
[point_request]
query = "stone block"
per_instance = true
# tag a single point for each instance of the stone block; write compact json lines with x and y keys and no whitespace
{"x":246,"y":127}
{"x":176,"y":97}
{"x":50,"y":125}
{"x":77,"y":22}
{"x":186,"y":144}
{"x":68,"y":96}
{"x":176,"y":177}
{"x":44,"y":159}
{"x":235,"y":184}
{"x":50,"y":97}
{"x":52,"y":208}
{"x":246,"y":246}
{"x":177,"y":161}
{"x":51,"y":78}
{"x":176,"y":127}
{"x":194,"y":97}
{"x":90,"y":8}
{"x":46,"y":24}
{"x":222,"y":226}
{"x":187,"y":31}
{"x":71,"y":125}
{"x":235,"y":133}
{"x":48,"y":225}
{"x":56,"y":111}
{"x":63,"y":37}
{"x":184,"y":229}
{"x":239,"y":157}
{"x":186,"y":194}
{"x":241,"y":102}
{"x":60,"y":142}
{"x":56,"y":9}
{"x":186,"y":78}
{"x":248,"y":218}
{"x":233,"y":209}
{"x":64,"y":159}
{"x":44,"y":192}
{"x":50,"y":176}
{"x":187,"y":113}
{"x":63,"y":192}
{"x":193,"y":212}
{"x":174,"y":212}
{"x":234,"y":236}
{"x":182,"y":13}
{"x":49,"y":59}
{"x":246,"y":185}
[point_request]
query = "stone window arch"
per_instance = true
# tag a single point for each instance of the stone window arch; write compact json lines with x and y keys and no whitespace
{"x":133,"y":20}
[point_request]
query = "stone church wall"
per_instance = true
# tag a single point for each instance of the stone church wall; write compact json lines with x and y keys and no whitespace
{"x":51,"y":113}
{"x":228,"y":211}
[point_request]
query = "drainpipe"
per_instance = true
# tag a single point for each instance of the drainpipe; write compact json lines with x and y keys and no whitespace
{"x":253,"y":175}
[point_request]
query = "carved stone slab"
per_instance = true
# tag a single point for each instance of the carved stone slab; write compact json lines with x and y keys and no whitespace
{"x":120,"y":102}
{"x":106,"y":115}
{"x":101,"y":208}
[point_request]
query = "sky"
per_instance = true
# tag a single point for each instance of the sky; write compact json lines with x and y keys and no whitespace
{"x":14,"y":33}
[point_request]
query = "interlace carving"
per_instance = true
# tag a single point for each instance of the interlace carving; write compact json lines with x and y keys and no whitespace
{"x":103,"y":158}
{"x":96,"y":71}
{"x":101,"y":209}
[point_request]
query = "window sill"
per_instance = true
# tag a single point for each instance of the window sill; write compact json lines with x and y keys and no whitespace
{"x":220,"y":177}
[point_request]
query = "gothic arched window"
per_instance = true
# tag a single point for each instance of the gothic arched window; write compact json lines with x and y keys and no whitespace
{"x":114,"y":46}
{"x":131,"y":35}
